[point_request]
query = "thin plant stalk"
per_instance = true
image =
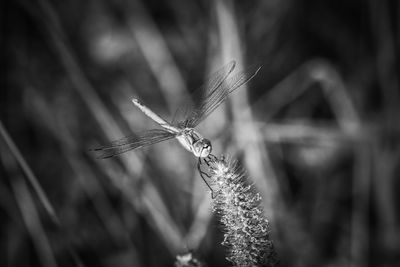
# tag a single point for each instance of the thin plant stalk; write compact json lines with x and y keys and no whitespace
{"x":29,"y":174}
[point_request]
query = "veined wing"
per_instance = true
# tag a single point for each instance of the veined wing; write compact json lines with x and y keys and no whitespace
{"x":198,"y":95}
{"x":130,"y":142}
{"x":218,"y":95}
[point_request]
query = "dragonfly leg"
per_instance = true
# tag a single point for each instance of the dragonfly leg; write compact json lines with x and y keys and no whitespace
{"x":212,"y":157}
{"x":202,"y":177}
{"x":200,"y":171}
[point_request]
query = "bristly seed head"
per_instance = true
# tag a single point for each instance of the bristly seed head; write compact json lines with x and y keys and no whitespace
{"x":246,"y":230}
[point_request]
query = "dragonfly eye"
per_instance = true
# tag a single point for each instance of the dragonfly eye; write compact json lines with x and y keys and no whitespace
{"x":206,"y":149}
{"x":202,"y":148}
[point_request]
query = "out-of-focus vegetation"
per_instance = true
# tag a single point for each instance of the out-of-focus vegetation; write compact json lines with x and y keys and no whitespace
{"x":317,"y":129}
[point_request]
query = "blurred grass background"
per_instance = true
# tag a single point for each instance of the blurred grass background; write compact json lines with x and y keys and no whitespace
{"x":317,"y":129}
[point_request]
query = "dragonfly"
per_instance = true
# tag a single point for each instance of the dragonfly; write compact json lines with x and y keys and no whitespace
{"x":209,"y":96}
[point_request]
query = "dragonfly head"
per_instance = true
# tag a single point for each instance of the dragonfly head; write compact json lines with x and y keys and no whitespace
{"x":202,"y":148}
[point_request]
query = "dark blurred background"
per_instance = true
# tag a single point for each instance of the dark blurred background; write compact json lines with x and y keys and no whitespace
{"x":316,"y":130}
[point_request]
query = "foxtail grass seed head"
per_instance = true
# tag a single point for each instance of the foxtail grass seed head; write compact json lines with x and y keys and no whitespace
{"x":246,"y":230}
{"x":188,"y":260}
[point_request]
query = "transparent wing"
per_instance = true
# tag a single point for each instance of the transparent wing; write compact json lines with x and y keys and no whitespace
{"x":198,"y":95}
{"x":130,"y":142}
{"x":218,"y":95}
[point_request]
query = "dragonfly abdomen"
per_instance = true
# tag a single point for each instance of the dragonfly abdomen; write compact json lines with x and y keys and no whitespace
{"x":155,"y":117}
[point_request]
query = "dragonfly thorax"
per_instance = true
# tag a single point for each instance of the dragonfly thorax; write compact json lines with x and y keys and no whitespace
{"x":194,"y":142}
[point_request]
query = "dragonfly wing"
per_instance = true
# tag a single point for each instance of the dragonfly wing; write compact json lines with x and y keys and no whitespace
{"x":198,"y":95}
{"x":218,"y":95}
{"x":134,"y":141}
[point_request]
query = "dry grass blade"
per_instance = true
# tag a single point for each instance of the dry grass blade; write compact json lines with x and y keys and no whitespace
{"x":201,"y":221}
{"x":255,"y":155}
{"x":29,"y":174}
{"x":31,"y":218}
{"x":301,"y":132}
{"x":337,"y":95}
{"x":360,"y":232}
